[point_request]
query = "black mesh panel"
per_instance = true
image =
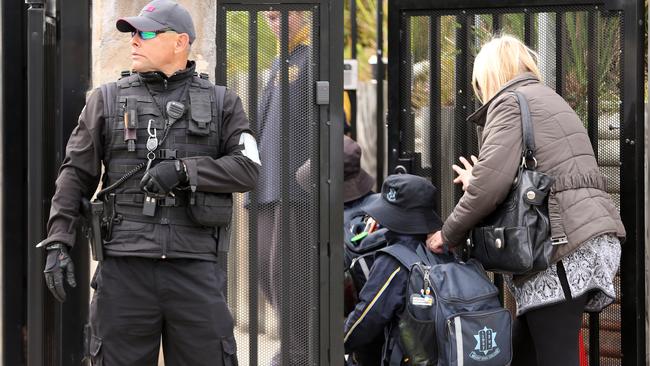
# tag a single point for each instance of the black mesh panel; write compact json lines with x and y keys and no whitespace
{"x":273,"y":264}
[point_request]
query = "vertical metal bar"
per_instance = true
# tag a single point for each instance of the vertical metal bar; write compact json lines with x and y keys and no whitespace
{"x":559,"y":47}
{"x":14,"y":191}
{"x":406,"y":119}
{"x":334,"y":20}
{"x":221,"y":67}
{"x":395,"y":38}
{"x":592,"y":130}
{"x":2,"y":184}
{"x":528,"y":27}
{"x":353,"y":55}
{"x":285,"y":212}
{"x":74,"y":45}
{"x":633,"y":337}
{"x":462,"y":100}
{"x":592,"y":79}
{"x":380,"y":93}
{"x":594,"y":339}
{"x":253,"y":266}
{"x":36,"y":224}
{"x":496,"y":23}
{"x":435,"y":122}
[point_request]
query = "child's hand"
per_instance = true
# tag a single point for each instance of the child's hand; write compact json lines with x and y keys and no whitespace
{"x":434,"y":242}
{"x":464,"y":175}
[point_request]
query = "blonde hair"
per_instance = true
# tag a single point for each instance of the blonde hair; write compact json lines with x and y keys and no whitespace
{"x":500,"y":60}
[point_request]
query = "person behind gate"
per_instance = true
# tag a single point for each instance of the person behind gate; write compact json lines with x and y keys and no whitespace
{"x":585,"y":224}
{"x":174,"y":147}
{"x":405,"y":208}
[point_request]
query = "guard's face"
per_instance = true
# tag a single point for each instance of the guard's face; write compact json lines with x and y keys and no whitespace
{"x":153,"y":54}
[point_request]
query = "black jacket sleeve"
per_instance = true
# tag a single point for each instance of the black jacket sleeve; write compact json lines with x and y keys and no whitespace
{"x":80,"y":172}
{"x":380,"y":301}
{"x":234,"y":171}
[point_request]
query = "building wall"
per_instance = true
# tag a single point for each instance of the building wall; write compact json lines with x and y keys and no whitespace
{"x":111,"y":49}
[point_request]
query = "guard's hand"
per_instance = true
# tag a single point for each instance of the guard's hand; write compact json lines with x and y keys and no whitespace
{"x":464,"y":175}
{"x":58,"y":263}
{"x":435,"y":243}
{"x":162,"y":178}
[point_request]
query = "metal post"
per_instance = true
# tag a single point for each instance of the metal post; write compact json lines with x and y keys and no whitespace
{"x":253,"y":269}
{"x":559,"y":43}
{"x":14,"y":192}
{"x":592,"y":80}
{"x":334,"y":162}
{"x":435,"y":122}
{"x":284,"y":244}
{"x":633,"y":337}
{"x":379,"y":77}
{"x":35,"y":213}
{"x":462,"y":93}
{"x":2,"y":232}
{"x":353,"y":55}
{"x":528,"y":28}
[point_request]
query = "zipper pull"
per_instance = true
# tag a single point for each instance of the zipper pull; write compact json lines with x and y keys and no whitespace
{"x":165,"y":83}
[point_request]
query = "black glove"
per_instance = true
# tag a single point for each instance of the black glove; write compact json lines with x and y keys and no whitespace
{"x":164,"y":177}
{"x":58,"y":261}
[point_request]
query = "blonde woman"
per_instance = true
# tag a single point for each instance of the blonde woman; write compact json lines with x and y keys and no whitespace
{"x":550,"y":303}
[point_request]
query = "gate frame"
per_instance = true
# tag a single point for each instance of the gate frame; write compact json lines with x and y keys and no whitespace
{"x":632,"y":146}
{"x":329,"y":25}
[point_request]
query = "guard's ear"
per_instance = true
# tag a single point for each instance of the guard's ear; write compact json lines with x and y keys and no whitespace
{"x":182,"y":43}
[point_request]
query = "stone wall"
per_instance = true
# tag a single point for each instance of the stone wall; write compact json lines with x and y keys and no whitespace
{"x":111,"y":49}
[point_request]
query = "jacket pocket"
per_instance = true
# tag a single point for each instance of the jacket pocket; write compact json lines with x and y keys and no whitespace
{"x":229,"y":351}
{"x":211,"y":209}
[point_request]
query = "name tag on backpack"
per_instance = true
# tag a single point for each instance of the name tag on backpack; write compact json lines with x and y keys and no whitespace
{"x":421,"y":300}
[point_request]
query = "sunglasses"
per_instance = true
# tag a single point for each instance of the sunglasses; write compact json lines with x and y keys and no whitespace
{"x":149,"y":35}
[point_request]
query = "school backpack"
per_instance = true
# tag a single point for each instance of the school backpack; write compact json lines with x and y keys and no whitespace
{"x":452,"y":314}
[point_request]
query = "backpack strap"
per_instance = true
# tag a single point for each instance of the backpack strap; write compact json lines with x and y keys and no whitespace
{"x":219,"y":95}
{"x":405,"y":255}
{"x":109,"y":96}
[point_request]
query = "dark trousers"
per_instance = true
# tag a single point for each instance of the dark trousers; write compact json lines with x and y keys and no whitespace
{"x":548,"y":336}
{"x":138,"y":301}
{"x":291,"y":300}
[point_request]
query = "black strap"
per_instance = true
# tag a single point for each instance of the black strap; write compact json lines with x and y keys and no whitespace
{"x":219,"y":95}
{"x":406,"y":256}
{"x":527,"y":128}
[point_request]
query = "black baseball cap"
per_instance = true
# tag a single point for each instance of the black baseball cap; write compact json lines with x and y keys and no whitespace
{"x":406,"y":205}
{"x":160,"y":15}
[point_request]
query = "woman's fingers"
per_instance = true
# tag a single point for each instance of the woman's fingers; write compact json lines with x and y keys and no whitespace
{"x":474,"y":159}
{"x":458,"y":169}
{"x":466,"y":163}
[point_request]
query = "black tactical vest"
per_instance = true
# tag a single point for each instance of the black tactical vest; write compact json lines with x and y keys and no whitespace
{"x":195,"y":133}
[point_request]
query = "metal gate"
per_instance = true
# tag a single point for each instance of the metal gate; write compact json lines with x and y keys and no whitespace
{"x":285,"y":283}
{"x":591,"y":52}
{"x":41,"y":103}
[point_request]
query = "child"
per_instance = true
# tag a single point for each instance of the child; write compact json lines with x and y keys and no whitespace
{"x":406,"y":208}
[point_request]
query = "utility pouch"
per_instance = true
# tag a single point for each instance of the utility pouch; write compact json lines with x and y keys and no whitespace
{"x":211,"y":209}
{"x":130,"y":122}
{"x":201,"y":114}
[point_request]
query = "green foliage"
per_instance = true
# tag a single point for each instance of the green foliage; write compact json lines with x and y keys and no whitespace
{"x":238,"y":42}
{"x":366,"y":33}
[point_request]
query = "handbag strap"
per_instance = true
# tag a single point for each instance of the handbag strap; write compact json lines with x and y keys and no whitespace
{"x":527,"y":131}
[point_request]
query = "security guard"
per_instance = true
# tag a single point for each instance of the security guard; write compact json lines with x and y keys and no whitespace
{"x":174,"y":147}
{"x":405,"y":208}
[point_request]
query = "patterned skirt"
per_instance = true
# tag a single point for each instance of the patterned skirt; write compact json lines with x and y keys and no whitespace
{"x":590,"y":269}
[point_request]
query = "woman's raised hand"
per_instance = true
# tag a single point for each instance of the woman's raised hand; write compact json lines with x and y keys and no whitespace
{"x":464,"y":175}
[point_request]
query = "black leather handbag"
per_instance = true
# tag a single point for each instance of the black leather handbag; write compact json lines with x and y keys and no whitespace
{"x":516,"y":237}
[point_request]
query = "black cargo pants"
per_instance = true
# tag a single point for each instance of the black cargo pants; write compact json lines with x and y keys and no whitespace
{"x":138,"y":301}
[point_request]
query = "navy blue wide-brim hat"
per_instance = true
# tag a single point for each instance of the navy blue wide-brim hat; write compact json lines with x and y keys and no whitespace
{"x":406,"y":205}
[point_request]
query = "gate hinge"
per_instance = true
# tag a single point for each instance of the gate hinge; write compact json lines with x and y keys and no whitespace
{"x":322,"y":92}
